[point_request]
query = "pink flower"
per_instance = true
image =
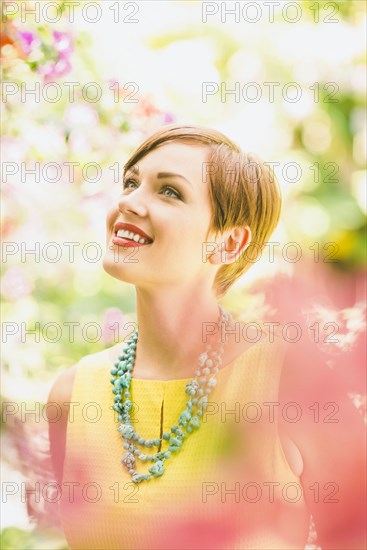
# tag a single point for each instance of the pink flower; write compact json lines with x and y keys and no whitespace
{"x":168,"y":118}
{"x":62,"y":66}
{"x":28,"y":41}
{"x":63,"y":43}
{"x":51,"y":71}
{"x":14,"y":284}
{"x":116,"y":326}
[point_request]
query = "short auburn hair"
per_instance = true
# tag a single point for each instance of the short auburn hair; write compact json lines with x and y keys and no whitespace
{"x":243,"y":191}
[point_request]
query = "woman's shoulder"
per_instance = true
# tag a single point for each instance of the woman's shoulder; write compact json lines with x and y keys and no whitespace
{"x":61,"y":388}
{"x":254,"y":335}
{"x":60,"y":395}
{"x":107,"y":356}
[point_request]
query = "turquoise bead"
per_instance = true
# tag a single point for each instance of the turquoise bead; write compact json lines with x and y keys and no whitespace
{"x":137,"y":478}
{"x":175,"y":441}
{"x":195,"y":422}
{"x":166,"y":435}
{"x":157,"y":469}
{"x":184,"y":417}
{"x":127,"y":431}
{"x":124,"y":381}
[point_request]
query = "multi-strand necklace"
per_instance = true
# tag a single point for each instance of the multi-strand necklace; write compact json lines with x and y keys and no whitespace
{"x":197,"y":391}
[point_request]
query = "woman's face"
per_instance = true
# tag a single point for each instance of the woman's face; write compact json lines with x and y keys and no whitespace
{"x":165,"y":196}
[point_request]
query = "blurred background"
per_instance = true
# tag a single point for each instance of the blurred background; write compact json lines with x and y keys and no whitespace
{"x":82,"y":84}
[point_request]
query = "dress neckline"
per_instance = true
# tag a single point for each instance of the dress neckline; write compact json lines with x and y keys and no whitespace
{"x":182,"y":380}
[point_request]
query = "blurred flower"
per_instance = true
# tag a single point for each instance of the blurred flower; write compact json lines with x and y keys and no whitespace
{"x":360,"y":402}
{"x":50,"y":71}
{"x":114,"y":325}
{"x":63,"y":43}
{"x":14,"y":284}
{"x":14,"y":149}
{"x":50,"y":57}
{"x":80,"y":115}
{"x":29,"y":41}
{"x":168,"y":118}
{"x":5,"y":39}
{"x":146,"y":108}
{"x":347,"y":324}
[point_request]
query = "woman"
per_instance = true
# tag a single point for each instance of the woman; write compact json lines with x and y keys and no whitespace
{"x":177,"y":451}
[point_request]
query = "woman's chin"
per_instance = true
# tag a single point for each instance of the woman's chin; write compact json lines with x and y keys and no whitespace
{"x":118,"y":271}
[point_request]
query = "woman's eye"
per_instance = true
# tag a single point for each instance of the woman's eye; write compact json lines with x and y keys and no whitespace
{"x":171,"y":190}
{"x":125,"y":183}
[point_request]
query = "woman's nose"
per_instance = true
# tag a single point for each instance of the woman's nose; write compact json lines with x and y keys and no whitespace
{"x":134,"y":203}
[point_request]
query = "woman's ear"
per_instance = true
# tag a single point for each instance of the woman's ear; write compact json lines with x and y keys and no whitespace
{"x":233,"y":244}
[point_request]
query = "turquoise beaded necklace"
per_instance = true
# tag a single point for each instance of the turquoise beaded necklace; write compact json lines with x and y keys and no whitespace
{"x":189,"y":420}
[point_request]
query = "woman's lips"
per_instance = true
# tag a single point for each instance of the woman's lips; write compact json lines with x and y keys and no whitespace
{"x":127,"y":243}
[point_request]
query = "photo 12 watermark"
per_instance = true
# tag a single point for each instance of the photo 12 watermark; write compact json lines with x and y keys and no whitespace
{"x":69,"y":491}
{"x":252,"y":92}
{"x":270,"y":12}
{"x":268,"y":491}
{"x":72,"y":92}
{"x":45,"y":12}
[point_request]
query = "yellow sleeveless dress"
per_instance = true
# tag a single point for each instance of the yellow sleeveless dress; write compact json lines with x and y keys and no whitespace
{"x":229,"y":487}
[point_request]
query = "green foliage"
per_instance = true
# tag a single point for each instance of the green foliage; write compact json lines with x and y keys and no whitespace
{"x":13,"y":538}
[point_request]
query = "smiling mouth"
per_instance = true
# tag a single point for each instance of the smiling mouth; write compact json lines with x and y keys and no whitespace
{"x":124,"y":237}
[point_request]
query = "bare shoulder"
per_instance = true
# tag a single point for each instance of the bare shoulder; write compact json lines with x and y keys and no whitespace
{"x":62,"y":386}
{"x":60,"y":395}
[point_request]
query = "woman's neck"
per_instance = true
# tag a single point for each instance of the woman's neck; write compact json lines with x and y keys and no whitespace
{"x":174,"y":328}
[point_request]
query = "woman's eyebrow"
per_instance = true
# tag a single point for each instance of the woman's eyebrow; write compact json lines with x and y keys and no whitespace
{"x":135,"y":170}
{"x":172,"y":175}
